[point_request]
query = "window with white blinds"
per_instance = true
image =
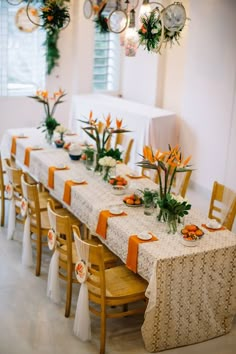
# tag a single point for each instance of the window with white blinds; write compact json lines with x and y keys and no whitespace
{"x":22,"y":56}
{"x":106,"y":65}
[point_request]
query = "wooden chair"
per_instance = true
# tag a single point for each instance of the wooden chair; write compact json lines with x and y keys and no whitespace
{"x":2,"y":192}
{"x":185,"y":183}
{"x":14,"y":177}
{"x":215,"y":211}
{"x":67,"y":250}
{"x":109,"y":288}
{"x":39,"y":222}
{"x":126,"y":143}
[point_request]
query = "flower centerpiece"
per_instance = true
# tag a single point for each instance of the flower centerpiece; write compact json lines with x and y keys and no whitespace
{"x":107,"y":162}
{"x":168,"y":164}
{"x":60,"y":129}
{"x":101,"y":133}
{"x":50,"y":123}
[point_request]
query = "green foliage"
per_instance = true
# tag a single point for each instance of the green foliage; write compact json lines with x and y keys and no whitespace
{"x":101,"y":24}
{"x":55,"y":16}
{"x":173,"y":206}
{"x":150,"y":31}
{"x":52,"y":51}
{"x":115,"y":153}
{"x":49,"y":124}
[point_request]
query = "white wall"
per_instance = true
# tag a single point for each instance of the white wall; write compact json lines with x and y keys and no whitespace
{"x":204,"y":94}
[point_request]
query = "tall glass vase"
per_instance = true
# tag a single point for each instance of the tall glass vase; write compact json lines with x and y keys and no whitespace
{"x":98,"y":168}
{"x":171,"y":220}
{"x":49,"y":136}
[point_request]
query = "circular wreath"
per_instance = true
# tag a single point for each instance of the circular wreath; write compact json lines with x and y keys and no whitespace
{"x":150,"y":31}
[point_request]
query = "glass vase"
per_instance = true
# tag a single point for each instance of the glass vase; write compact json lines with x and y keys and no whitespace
{"x":171,"y":220}
{"x":49,"y":136}
{"x":106,"y":171}
{"x":98,"y":168}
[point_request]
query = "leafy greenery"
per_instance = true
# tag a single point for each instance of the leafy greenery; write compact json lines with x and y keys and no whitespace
{"x":115,"y":153}
{"x":101,"y":23}
{"x":150,"y":31}
{"x":174,"y":205}
{"x":55,"y":16}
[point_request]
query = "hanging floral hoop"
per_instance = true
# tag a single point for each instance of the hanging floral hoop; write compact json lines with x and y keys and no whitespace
{"x":151,"y":33}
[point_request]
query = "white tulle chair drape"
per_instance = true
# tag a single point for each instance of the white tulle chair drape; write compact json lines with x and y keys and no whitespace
{"x":82,"y":323}
{"x":27,"y":257}
{"x":53,"y":285}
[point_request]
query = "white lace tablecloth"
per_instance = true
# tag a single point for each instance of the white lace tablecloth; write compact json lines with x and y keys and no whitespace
{"x":192,"y":290}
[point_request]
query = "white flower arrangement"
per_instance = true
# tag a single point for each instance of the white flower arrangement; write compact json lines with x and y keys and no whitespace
{"x":179,"y":198}
{"x":107,"y":161}
{"x":60,"y":129}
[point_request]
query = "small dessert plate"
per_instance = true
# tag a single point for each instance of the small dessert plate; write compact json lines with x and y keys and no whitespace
{"x":213,"y":224}
{"x":60,"y":166}
{"x":116,"y":211}
{"x":78,"y":180}
{"x":189,"y":243}
{"x":144,"y":236}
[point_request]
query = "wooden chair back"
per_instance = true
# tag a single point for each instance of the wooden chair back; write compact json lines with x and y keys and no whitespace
{"x":127,"y":144}
{"x":64,"y":246}
{"x":2,"y":192}
{"x":96,"y":281}
{"x":216,"y":203}
{"x":14,"y":175}
{"x":63,"y":231}
{"x":185,"y":183}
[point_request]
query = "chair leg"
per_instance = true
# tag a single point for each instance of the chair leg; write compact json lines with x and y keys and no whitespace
{"x":2,"y":211}
{"x":103,"y":332}
{"x":38,"y":255}
{"x":68,"y":295}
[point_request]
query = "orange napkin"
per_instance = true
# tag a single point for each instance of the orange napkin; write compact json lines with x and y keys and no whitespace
{"x":67,"y":190}
{"x":102,"y":222}
{"x":27,"y":154}
{"x":213,"y":230}
{"x":132,"y":256}
{"x":51,"y":171}
{"x":135,"y":177}
{"x":13,"y":143}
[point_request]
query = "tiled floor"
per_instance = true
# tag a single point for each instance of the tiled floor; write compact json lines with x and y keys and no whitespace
{"x":31,"y":323}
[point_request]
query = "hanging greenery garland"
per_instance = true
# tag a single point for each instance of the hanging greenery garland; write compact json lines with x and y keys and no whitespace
{"x":101,"y":23}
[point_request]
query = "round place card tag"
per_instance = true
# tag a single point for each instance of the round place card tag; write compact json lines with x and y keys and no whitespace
{"x":23,"y":207}
{"x":81,"y":271}
{"x":9,"y":190}
{"x":52,"y":239}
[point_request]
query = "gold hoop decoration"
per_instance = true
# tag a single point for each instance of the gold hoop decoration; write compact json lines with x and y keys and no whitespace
{"x":88,"y":9}
{"x":81,"y":271}
{"x":22,"y":19}
{"x":31,"y":19}
{"x":117,"y":21}
{"x":48,"y":24}
{"x":174,"y":17}
{"x":16,"y":2}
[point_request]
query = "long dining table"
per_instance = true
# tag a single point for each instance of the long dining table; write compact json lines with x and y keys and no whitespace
{"x":191,"y":291}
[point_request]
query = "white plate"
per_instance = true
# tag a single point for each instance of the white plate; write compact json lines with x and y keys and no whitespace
{"x":213,"y":226}
{"x":78,"y":180}
{"x":35,"y":147}
{"x":144,"y":236}
{"x":189,"y":243}
{"x":116,"y":211}
{"x":61,"y":166}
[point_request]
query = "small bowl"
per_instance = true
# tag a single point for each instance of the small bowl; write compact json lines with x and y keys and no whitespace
{"x":75,"y":157}
{"x":59,"y":143}
{"x":119,"y":190}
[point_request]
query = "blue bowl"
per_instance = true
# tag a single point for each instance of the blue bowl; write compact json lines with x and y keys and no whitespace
{"x":75,"y":157}
{"x":59,"y":144}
